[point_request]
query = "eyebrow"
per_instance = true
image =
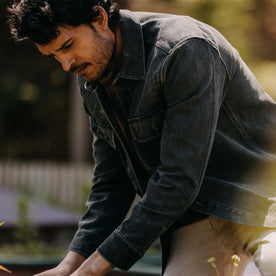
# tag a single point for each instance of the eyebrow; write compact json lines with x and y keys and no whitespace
{"x":63,"y":45}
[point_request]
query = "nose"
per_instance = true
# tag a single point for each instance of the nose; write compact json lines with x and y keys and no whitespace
{"x":67,"y":62}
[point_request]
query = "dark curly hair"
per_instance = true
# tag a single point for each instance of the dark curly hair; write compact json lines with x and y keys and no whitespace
{"x":37,"y":20}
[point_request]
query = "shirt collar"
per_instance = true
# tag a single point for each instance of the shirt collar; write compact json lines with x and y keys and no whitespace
{"x":133,"y":59}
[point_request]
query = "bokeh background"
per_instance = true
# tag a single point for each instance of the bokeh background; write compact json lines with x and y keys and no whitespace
{"x":45,"y":144}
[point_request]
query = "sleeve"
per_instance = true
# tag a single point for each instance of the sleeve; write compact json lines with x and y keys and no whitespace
{"x":109,"y":200}
{"x":193,"y":78}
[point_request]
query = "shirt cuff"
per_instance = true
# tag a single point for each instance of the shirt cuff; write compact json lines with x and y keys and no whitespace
{"x":119,"y":252}
{"x":83,"y":244}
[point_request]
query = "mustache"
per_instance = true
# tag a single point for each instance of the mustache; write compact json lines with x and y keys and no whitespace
{"x":77,"y":67}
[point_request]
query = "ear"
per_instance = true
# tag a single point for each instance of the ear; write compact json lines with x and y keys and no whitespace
{"x":102,"y":20}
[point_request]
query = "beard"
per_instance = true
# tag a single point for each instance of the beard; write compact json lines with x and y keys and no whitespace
{"x":103,"y":59}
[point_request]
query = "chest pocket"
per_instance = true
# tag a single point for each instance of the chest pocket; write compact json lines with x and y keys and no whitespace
{"x":147,"y":127}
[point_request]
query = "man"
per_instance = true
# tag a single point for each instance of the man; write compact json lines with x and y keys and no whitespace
{"x":177,"y":118}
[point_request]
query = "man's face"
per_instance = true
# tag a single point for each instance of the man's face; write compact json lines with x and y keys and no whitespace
{"x":82,"y":49}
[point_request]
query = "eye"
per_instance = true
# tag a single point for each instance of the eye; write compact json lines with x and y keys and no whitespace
{"x":68,"y":45}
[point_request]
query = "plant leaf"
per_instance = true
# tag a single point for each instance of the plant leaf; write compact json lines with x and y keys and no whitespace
{"x":5,"y":269}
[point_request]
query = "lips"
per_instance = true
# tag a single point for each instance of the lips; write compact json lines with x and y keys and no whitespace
{"x":80,"y":69}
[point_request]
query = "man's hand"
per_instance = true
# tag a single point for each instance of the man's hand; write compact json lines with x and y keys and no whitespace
{"x":95,"y":265}
{"x":69,"y":264}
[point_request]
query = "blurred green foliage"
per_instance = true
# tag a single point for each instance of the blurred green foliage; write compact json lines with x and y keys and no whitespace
{"x":27,"y":240}
{"x":26,"y":235}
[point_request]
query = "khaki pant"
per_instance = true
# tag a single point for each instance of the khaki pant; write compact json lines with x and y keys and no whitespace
{"x":194,"y":244}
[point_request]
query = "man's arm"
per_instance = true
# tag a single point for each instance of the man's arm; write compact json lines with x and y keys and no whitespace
{"x":193,"y":79}
{"x":109,"y":200}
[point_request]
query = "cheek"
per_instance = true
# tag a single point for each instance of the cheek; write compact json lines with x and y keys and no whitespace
{"x":86,"y":54}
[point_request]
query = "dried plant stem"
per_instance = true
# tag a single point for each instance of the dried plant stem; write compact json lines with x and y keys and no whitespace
{"x":4,"y":269}
{"x":235,"y":270}
{"x":211,"y":261}
{"x":236,"y":260}
{"x":217,"y":271}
